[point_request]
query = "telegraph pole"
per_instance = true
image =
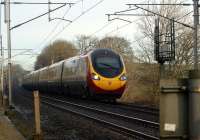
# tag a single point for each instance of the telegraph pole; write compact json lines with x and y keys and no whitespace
{"x":49,"y":10}
{"x":195,"y":34}
{"x":2,"y":67}
{"x":2,"y":89}
{"x":7,"y":19}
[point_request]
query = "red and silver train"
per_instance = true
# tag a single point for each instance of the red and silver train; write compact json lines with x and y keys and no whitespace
{"x":99,"y":74}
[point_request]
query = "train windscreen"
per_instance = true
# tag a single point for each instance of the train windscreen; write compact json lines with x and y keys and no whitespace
{"x":107,"y":64}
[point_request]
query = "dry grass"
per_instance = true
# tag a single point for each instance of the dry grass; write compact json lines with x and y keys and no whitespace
{"x":142,"y":85}
{"x":24,"y":126}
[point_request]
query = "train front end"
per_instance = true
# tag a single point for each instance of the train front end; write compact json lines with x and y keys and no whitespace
{"x":107,"y":74}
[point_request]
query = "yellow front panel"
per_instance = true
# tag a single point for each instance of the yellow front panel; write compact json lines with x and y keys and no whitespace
{"x":108,"y":83}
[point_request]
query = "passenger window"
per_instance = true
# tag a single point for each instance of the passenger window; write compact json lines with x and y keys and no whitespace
{"x":74,"y":61}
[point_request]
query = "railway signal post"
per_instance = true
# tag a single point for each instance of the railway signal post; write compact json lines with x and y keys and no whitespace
{"x":173,"y":104}
{"x":1,"y":94}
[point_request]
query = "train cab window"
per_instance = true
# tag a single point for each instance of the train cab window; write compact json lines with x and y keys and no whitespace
{"x":107,"y":64}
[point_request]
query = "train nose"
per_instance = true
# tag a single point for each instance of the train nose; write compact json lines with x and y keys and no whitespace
{"x":108,"y":84}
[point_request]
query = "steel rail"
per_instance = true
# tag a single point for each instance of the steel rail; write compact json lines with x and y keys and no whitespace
{"x":121,"y":129}
{"x":144,"y":109}
{"x":126,"y":130}
{"x":152,"y":124}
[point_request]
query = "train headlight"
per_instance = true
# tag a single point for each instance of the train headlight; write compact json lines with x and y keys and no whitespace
{"x":95,"y":76}
{"x":123,"y":77}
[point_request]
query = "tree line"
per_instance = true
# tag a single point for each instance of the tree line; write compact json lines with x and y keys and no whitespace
{"x":62,"y":49}
{"x":142,"y":70}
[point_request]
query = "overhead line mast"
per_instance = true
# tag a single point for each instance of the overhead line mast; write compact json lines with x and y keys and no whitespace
{"x":194,"y":27}
{"x":39,"y":3}
{"x":7,"y":21}
{"x":2,"y":62}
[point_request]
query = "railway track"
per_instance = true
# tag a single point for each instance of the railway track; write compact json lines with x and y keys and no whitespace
{"x":141,"y":111}
{"x":136,"y":111}
{"x":127,"y":125}
{"x":144,"y":109}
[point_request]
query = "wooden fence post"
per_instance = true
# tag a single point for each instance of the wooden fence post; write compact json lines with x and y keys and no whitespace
{"x":37,"y":135}
{"x":5,"y":103}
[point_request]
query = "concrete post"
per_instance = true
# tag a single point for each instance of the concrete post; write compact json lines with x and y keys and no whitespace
{"x":173,"y":110}
{"x":5,"y":104}
{"x":7,"y":18}
{"x":194,"y":104}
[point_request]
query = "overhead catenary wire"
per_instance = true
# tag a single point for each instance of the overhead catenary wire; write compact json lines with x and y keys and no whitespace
{"x":118,"y":13}
{"x":103,"y":27}
{"x":112,"y":20}
{"x":123,"y":26}
{"x":75,"y":19}
{"x":107,"y":24}
{"x":36,"y":17}
{"x":164,"y":17}
{"x":21,"y":53}
{"x":185,"y":15}
{"x":161,"y":4}
{"x":31,"y":56}
{"x":53,"y":29}
{"x":83,"y":13}
{"x":79,"y":17}
{"x":18,"y":54}
{"x":37,"y":3}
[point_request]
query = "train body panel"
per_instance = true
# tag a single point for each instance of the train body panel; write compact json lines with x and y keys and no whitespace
{"x":99,"y":73}
{"x":74,"y":76}
{"x":35,"y":79}
{"x":108,"y":84}
{"x":54,"y":77}
{"x":43,"y":79}
{"x":27,"y":81}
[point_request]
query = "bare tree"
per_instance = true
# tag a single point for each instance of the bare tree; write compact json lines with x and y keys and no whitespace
{"x":118,"y":44}
{"x":55,"y":52}
{"x":146,"y":74}
{"x":85,"y":43}
{"x":147,"y":28}
{"x":17,"y":73}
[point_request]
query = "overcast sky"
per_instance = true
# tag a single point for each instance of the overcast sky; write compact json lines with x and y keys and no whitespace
{"x":39,"y":33}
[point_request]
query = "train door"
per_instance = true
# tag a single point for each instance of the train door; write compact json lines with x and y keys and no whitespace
{"x":75,"y":85}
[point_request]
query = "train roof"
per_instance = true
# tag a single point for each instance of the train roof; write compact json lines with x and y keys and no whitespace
{"x":74,"y":58}
{"x":55,"y":64}
{"x":97,"y":50}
